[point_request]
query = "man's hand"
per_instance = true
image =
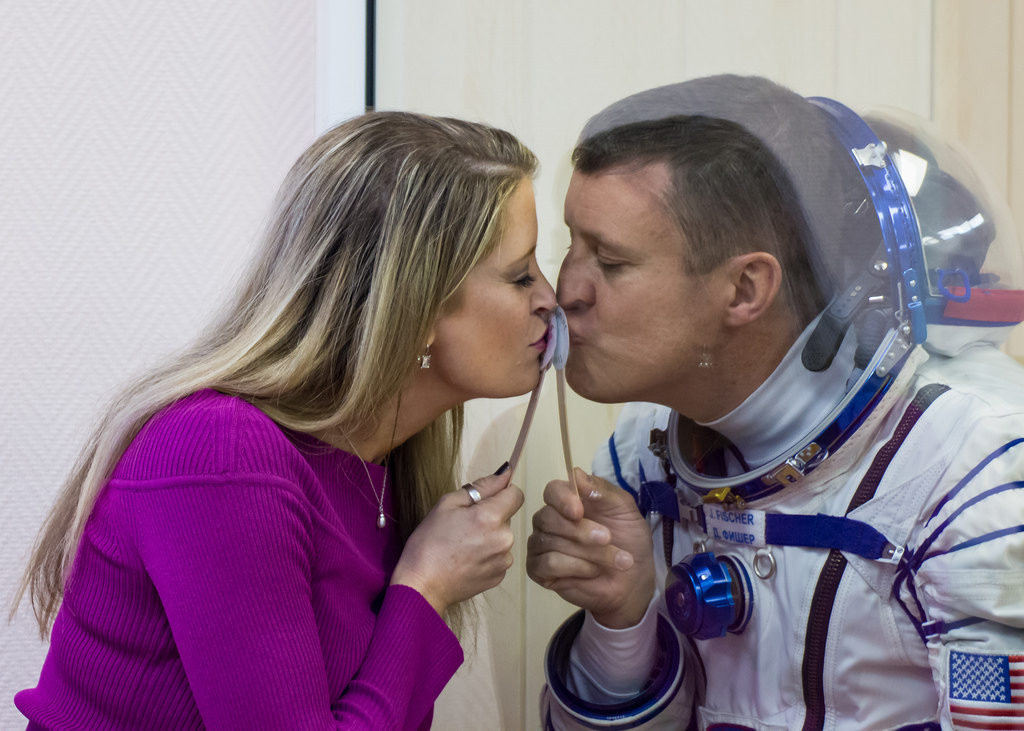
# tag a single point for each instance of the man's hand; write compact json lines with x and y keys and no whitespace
{"x":594,"y":550}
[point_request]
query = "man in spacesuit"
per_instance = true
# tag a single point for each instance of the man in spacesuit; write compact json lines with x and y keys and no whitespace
{"x":829,"y":452}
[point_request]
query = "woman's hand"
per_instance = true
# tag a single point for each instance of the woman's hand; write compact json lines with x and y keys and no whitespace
{"x":462,"y":547}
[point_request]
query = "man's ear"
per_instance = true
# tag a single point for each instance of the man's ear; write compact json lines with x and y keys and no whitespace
{"x":755,"y":279}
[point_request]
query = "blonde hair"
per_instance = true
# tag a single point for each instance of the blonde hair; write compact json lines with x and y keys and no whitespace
{"x":374,"y":229}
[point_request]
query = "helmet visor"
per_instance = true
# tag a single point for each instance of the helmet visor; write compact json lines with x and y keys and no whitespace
{"x":973,"y":263}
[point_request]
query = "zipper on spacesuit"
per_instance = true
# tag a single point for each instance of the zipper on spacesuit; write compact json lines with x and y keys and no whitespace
{"x":816,"y":640}
{"x":813,"y":669}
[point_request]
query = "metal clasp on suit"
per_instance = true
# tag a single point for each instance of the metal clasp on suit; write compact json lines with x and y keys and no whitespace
{"x":797,"y":466}
{"x":658,"y":443}
{"x":892,"y":554}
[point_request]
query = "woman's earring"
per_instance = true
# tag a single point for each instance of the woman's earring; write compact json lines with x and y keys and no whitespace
{"x":705,"y":358}
{"x":424,"y":360}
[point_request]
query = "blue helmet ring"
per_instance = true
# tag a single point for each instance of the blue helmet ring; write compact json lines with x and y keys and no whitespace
{"x":895,"y":212}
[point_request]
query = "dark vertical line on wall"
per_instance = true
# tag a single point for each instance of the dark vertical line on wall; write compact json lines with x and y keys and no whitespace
{"x":931,"y":63}
{"x":1010,"y":200}
{"x":1013,"y":171}
{"x":371,"y":54}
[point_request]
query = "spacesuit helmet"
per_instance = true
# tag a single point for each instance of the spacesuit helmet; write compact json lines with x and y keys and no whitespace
{"x":972,"y":287}
{"x":907,"y":243}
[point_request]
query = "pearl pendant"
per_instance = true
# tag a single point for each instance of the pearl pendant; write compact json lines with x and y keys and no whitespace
{"x":381,"y":522}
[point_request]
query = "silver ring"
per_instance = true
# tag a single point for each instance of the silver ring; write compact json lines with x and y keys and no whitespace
{"x":762,"y":555}
{"x":474,"y":494}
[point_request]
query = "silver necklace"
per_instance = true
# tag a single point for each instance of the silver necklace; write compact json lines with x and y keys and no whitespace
{"x":381,"y":520}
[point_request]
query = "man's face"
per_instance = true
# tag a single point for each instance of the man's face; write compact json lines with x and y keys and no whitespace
{"x":638,"y":321}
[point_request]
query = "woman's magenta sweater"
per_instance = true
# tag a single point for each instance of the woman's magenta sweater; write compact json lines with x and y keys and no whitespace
{"x":232,"y":576}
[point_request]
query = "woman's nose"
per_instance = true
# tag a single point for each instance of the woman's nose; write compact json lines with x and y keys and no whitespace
{"x":572,"y":287}
{"x":546,"y":300}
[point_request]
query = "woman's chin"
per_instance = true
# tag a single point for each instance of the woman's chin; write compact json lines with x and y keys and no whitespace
{"x":523,"y":385}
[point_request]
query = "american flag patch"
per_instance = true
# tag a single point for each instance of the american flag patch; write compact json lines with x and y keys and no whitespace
{"x":986,"y":692}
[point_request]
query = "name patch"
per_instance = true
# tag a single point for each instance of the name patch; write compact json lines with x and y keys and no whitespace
{"x":745,"y":527}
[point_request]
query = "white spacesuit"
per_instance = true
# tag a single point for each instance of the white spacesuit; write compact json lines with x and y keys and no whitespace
{"x":852,"y":556}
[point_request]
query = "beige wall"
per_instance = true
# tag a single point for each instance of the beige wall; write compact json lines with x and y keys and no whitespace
{"x":978,"y":94}
{"x":540,"y":68}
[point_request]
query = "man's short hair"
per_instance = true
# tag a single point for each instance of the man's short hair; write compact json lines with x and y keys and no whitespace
{"x":729,"y":196}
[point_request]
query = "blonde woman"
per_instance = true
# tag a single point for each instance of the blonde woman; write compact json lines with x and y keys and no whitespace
{"x":266,"y":533}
